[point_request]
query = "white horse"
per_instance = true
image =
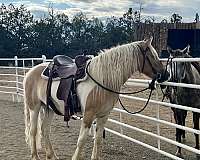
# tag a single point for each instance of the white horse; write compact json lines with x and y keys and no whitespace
{"x":111,"y":68}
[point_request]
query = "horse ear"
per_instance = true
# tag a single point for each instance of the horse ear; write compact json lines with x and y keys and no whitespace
{"x":186,"y":50}
{"x":148,"y":41}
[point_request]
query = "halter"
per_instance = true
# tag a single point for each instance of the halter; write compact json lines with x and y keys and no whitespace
{"x":174,"y":76}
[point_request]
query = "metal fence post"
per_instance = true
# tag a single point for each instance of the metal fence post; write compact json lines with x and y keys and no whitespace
{"x":17,"y":78}
{"x":24,"y":67}
{"x":44,"y":58}
{"x":158,"y":117}
{"x":121,"y":120}
{"x":32,"y":62}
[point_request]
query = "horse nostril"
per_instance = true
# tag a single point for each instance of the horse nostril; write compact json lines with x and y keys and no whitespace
{"x":158,"y":76}
{"x":161,"y":77}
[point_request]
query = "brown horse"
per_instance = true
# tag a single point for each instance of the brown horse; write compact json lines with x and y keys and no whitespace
{"x":184,"y":72}
{"x":111,"y":68}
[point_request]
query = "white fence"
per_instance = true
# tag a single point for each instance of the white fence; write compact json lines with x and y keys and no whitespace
{"x":13,"y":73}
{"x":13,"y":81}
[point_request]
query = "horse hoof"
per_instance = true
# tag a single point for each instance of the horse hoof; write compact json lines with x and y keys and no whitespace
{"x":35,"y":158}
{"x":179,"y":155}
{"x":80,"y":158}
{"x":54,"y":157}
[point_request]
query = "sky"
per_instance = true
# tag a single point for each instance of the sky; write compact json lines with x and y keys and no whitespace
{"x":159,"y":9}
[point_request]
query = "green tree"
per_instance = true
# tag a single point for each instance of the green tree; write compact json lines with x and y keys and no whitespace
{"x":16,"y":21}
{"x":23,"y":35}
{"x":51,"y":35}
{"x":176,"y":18}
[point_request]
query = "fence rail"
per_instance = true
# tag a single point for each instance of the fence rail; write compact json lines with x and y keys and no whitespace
{"x":17,"y":92}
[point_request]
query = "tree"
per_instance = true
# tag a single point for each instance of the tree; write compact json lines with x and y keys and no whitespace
{"x":176,"y":18}
{"x":87,"y":34}
{"x":23,"y":35}
{"x":197,"y":18}
{"x":16,"y":21}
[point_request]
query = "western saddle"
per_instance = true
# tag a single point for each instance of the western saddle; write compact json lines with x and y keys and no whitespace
{"x":67,"y":71}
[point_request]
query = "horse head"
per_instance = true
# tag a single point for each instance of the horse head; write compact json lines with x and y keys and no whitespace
{"x":151,"y":65}
{"x":178,"y":70}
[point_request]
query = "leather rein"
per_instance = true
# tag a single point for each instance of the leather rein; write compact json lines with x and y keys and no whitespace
{"x":151,"y":85}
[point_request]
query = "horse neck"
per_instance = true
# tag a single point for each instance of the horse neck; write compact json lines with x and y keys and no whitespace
{"x":113,"y":67}
{"x":189,"y":77}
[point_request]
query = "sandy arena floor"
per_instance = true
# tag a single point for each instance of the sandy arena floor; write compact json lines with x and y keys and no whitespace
{"x":13,"y":147}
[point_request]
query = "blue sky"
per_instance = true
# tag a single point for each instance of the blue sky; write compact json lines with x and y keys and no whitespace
{"x":158,"y":9}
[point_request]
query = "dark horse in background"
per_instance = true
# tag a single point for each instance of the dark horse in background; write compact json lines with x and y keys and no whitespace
{"x":184,"y":72}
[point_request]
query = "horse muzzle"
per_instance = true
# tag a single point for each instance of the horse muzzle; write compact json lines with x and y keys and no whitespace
{"x":161,"y":77}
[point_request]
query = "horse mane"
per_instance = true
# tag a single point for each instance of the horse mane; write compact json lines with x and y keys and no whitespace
{"x":112,"y":67}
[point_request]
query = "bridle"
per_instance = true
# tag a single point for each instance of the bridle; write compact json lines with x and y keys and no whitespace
{"x":145,"y":58}
{"x":151,"y":85}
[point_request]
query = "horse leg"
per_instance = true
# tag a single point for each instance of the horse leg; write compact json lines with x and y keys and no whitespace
{"x":98,"y":138}
{"x":178,"y":133}
{"x":33,"y":131}
{"x":46,"y":126}
{"x":176,"y":118}
{"x":178,"y":139}
{"x":85,"y":126}
{"x":196,"y":126}
{"x":183,"y":131}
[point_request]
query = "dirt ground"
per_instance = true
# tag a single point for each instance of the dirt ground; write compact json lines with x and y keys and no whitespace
{"x":13,"y":146}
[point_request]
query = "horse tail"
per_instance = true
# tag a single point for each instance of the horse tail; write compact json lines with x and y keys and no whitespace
{"x":28,"y":124}
{"x":26,"y":120}
{"x":39,"y":132}
{"x":31,"y":106}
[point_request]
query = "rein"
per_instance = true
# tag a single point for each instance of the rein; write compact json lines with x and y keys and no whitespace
{"x":151,"y":85}
{"x":110,"y":90}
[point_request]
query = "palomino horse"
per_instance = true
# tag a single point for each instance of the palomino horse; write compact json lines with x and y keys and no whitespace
{"x":184,"y":72}
{"x":111,"y":68}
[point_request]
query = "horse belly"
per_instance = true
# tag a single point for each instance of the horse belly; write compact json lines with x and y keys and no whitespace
{"x":83,"y":90}
{"x":58,"y":103}
{"x":43,"y":96}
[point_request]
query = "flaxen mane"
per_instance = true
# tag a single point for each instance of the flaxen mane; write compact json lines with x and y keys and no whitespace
{"x":107,"y":67}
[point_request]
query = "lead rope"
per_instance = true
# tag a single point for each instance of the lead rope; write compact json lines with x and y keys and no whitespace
{"x":152,"y":83}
